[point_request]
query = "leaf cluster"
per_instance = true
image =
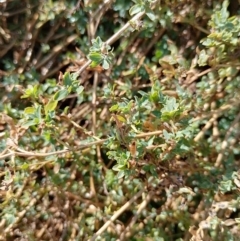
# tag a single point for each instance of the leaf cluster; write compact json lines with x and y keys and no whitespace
{"x":119,"y":120}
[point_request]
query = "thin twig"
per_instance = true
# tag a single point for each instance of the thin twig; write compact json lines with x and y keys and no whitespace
{"x":153,"y":133}
{"x":117,"y":214}
{"x":139,"y":211}
{"x":205,"y":128}
{"x":22,"y":152}
{"x":196,"y":76}
{"x":219,"y":111}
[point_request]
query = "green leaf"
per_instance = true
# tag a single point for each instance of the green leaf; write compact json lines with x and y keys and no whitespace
{"x":50,"y":106}
{"x":33,"y":112}
{"x":114,"y":108}
{"x":142,"y":93}
{"x":39,"y":112}
{"x":10,"y":218}
{"x":157,"y":113}
{"x":94,"y":64}
{"x":135,"y":9}
{"x":97,"y":42}
{"x":30,"y":123}
{"x":30,"y":110}
{"x":79,"y":89}
{"x":95,"y":57}
{"x":138,"y":1}
{"x":121,"y":118}
{"x":49,"y":117}
{"x":96,"y":45}
{"x":151,"y":15}
{"x":171,"y":105}
{"x":120,"y":174}
{"x":24,"y":166}
{"x":61,"y":94}
{"x":170,"y":109}
{"x":105,"y":64}
{"x":74,"y":76}
{"x":32,"y":91}
{"x":27,"y":93}
{"x":119,"y":167}
{"x":166,"y":135}
{"x":203,"y":58}
{"x":226,"y":186}
{"x":129,"y":72}
{"x":67,"y":79}
{"x":224,"y":13}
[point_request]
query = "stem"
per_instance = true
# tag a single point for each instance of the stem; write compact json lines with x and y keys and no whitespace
{"x":115,"y":37}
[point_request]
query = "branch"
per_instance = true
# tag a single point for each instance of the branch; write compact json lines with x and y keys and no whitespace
{"x":142,"y":206}
{"x":22,"y":152}
{"x":117,"y":214}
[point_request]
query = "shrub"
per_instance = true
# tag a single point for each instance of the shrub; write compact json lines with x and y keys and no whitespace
{"x":119,"y":120}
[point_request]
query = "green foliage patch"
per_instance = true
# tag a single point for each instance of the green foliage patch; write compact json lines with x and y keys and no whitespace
{"x":119,"y":120}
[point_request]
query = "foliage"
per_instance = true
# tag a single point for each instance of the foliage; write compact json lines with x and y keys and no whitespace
{"x":119,"y":120}
{"x":99,"y":53}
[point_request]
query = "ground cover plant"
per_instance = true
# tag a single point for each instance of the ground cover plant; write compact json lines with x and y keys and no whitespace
{"x":119,"y":120}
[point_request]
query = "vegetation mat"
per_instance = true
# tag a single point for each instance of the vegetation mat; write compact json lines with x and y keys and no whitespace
{"x":119,"y":120}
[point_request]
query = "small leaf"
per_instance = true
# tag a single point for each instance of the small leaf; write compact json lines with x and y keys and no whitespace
{"x":50,"y":106}
{"x":29,"y":110}
{"x":166,"y":135}
{"x":61,"y":94}
{"x":114,"y":108}
{"x":27,"y":93}
{"x":94,"y":64}
{"x":157,"y":113}
{"x":105,"y":64}
{"x":151,"y":15}
{"x":24,"y":166}
{"x":96,"y":45}
{"x":129,"y":72}
{"x":171,"y":105}
{"x":67,"y":80}
{"x":32,"y":91}
{"x":226,"y":186}
{"x":97,"y":42}
{"x":79,"y":89}
{"x":142,"y":93}
{"x":30,"y":123}
{"x":95,"y":57}
{"x":119,"y":167}
{"x":135,"y":9}
{"x":10,"y":218}
{"x":116,"y":168}
{"x":120,"y":174}
{"x":121,"y":118}
{"x":38,"y":112}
